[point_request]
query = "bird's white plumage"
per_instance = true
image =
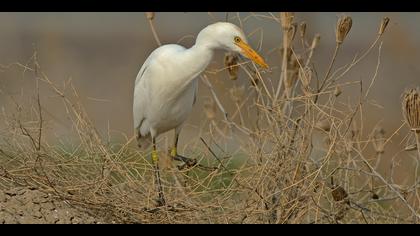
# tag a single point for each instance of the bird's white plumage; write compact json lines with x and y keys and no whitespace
{"x":164,"y":94}
{"x":166,"y":84}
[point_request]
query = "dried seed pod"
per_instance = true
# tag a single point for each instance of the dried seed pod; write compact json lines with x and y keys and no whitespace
{"x":302,"y":29}
{"x":286,"y":19}
{"x":150,"y":15}
{"x":343,"y":28}
{"x":293,"y":71}
{"x":411,"y":108}
{"x":315,"y":41}
{"x":339,"y":194}
{"x":291,"y":32}
{"x":210,"y":108}
{"x":231,"y":62}
{"x":237,"y":93}
{"x":305,"y":77}
{"x":337,"y":91}
{"x":383,"y":26}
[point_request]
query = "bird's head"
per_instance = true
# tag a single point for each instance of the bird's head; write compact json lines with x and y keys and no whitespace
{"x":231,"y":38}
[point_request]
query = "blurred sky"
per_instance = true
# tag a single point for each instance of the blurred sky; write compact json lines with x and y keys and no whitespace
{"x":102,"y":53}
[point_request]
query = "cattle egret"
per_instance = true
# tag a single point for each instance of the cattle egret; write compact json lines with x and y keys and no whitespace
{"x":166,"y":85}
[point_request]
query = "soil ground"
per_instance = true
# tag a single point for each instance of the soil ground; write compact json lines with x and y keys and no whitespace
{"x":23,"y":205}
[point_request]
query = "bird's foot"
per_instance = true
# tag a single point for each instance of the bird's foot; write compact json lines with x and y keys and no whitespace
{"x":188,"y":162}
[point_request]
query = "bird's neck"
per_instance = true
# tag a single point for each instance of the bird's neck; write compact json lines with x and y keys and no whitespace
{"x":193,"y":62}
{"x":201,"y":54}
{"x":198,"y":57}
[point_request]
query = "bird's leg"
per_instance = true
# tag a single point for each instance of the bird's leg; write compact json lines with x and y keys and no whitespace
{"x":155,"y":160}
{"x":188,"y":162}
{"x":174,"y":154}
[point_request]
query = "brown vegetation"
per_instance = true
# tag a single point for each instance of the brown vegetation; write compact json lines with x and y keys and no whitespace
{"x":306,"y":157}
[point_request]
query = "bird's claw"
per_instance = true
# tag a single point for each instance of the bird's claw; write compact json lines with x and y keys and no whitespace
{"x":188,"y":162}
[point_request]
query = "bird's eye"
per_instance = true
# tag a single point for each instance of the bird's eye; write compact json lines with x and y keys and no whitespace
{"x":237,"y":39}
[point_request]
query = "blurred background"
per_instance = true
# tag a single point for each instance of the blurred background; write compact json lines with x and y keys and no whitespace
{"x":103,"y":52}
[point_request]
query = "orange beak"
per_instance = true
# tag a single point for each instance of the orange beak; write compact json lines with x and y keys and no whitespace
{"x":250,"y":53}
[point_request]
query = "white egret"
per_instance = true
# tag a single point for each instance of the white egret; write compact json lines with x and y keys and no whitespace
{"x":166,"y":85}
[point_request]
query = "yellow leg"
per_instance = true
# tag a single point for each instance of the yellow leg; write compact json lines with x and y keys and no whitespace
{"x":155,"y":160}
{"x":155,"y":157}
{"x":173,"y":152}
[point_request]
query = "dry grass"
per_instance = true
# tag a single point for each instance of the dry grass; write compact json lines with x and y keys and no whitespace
{"x":306,"y":152}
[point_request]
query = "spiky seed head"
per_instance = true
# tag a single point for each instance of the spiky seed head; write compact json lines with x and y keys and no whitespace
{"x":150,"y":15}
{"x":343,"y":28}
{"x":383,"y":26}
{"x":302,"y":29}
{"x":231,"y":62}
{"x":286,"y":19}
{"x":411,"y":108}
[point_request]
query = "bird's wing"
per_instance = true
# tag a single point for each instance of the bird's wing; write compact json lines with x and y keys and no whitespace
{"x":142,"y":70}
{"x":142,"y":93}
{"x":151,"y":72}
{"x":140,"y":99}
